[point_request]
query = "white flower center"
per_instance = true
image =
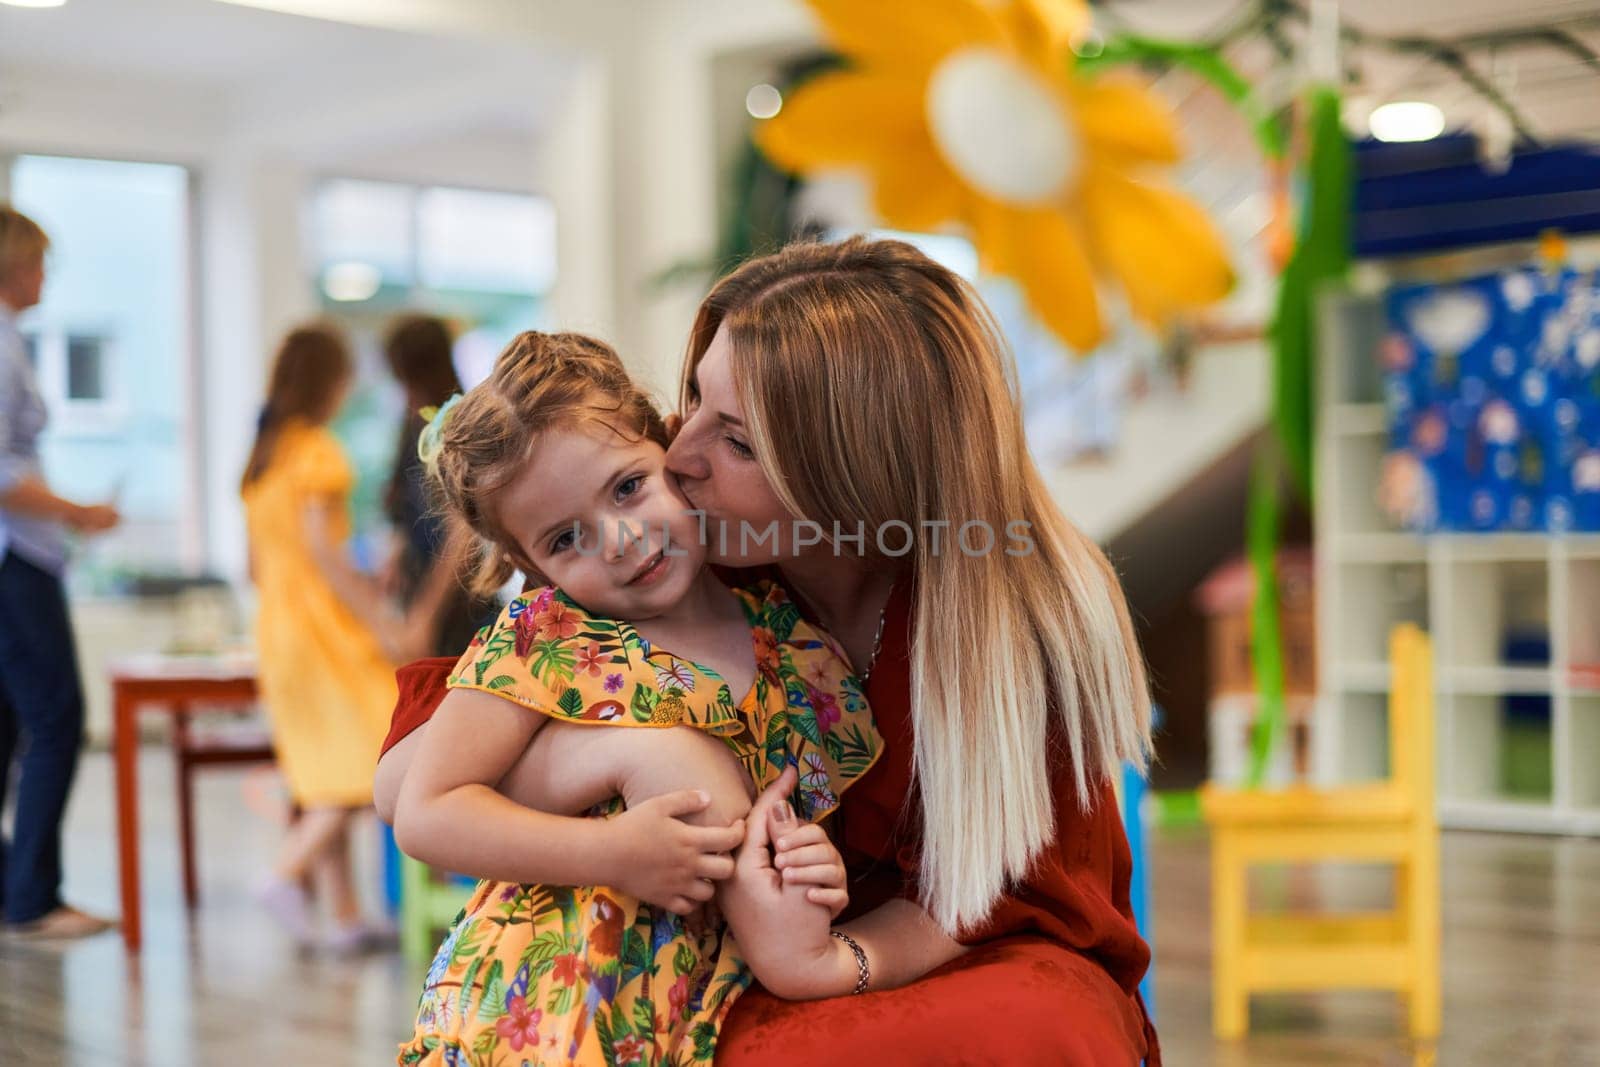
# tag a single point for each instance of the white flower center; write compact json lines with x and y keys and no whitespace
{"x":1001,"y":127}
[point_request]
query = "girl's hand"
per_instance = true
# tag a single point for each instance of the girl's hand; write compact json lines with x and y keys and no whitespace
{"x":783,"y":935}
{"x":803,"y":855}
{"x":664,"y":860}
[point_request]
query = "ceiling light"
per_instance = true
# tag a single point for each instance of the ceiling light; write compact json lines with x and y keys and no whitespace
{"x":33,"y":3}
{"x":351,"y":281}
{"x":763,"y":101}
{"x":1406,"y":120}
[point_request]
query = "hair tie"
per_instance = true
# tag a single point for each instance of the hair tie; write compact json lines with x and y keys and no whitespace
{"x":431,"y":440}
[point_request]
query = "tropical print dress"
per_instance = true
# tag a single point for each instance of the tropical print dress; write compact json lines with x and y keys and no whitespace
{"x":545,"y":974}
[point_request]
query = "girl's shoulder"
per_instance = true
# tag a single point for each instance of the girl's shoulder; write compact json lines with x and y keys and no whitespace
{"x":768,"y":607}
{"x":826,"y":729}
{"x":548,"y":654}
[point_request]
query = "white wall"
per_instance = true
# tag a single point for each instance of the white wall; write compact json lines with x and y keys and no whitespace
{"x":636,"y":192}
{"x":625,"y":147}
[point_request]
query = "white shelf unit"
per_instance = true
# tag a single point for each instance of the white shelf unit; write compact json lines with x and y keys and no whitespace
{"x":1466,"y":590}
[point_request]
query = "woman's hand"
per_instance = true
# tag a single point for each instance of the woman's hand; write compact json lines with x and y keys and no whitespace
{"x":803,"y":855}
{"x":661,"y":859}
{"x":93,"y":518}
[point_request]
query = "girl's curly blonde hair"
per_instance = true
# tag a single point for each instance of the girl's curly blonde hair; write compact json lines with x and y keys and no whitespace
{"x":541,"y":382}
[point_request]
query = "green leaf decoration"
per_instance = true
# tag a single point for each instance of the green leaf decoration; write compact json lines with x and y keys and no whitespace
{"x":684,"y":960}
{"x":781,"y":619}
{"x":547,"y":946}
{"x":466,"y":945}
{"x":553,"y":661}
{"x":492,"y":1004}
{"x":561,"y":1000}
{"x":571,"y":702}
{"x":635,"y":954}
{"x":464,"y":1000}
{"x":806,"y":726}
{"x":645,"y":699}
{"x":705,"y":1040}
{"x":501,"y":681}
{"x":644,"y":1015}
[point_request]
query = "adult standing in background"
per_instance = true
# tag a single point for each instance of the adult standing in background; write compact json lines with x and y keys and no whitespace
{"x":441,"y":615}
{"x":41,"y":696}
{"x":324,"y":634}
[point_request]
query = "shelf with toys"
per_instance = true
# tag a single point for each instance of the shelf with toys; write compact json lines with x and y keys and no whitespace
{"x":1458,"y":486}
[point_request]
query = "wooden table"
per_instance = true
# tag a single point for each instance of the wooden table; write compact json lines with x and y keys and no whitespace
{"x":175,"y":686}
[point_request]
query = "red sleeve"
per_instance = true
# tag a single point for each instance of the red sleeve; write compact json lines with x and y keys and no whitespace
{"x":422,"y":687}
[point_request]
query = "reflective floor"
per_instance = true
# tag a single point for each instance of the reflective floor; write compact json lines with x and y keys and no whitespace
{"x":1521,"y":952}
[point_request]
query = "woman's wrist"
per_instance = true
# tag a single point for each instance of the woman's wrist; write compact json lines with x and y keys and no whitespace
{"x":833,"y":973}
{"x":860,"y":967}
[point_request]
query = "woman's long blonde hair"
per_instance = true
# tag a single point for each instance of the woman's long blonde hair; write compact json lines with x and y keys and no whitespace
{"x":877,"y":389}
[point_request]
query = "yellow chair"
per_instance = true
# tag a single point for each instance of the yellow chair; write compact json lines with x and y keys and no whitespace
{"x":1391,"y":821}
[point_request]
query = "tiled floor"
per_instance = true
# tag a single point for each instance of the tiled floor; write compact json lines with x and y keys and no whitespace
{"x":1522,"y":958}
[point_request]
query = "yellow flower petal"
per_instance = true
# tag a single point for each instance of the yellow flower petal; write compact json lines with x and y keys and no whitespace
{"x":1159,"y":244}
{"x":1044,"y":251}
{"x":1117,"y":115}
{"x":900,"y":35}
{"x":843,"y":117}
{"x":914,"y":190}
{"x":1044,"y":30}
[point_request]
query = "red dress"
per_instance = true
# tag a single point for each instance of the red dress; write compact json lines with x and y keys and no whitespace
{"x":1052,"y":977}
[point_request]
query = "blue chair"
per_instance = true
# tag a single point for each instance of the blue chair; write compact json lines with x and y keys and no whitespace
{"x":1134,"y":788}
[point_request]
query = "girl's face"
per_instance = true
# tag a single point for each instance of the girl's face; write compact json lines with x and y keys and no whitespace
{"x":600,"y":516}
{"x":719,"y":474}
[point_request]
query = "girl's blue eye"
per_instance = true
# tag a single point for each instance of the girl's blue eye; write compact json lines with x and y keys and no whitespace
{"x":564,"y":540}
{"x":629,"y":486}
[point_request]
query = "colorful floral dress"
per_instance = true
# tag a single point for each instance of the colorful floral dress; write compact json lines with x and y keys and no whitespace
{"x":542,"y":974}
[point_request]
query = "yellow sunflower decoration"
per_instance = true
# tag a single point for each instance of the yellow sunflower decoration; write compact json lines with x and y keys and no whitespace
{"x":969,"y":112}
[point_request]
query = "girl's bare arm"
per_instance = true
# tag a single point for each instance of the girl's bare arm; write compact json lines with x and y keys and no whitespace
{"x":450,"y":813}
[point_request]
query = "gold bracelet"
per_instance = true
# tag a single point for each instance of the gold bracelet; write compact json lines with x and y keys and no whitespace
{"x":864,"y":971}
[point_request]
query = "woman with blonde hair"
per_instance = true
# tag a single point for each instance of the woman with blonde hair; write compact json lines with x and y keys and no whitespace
{"x":851,"y":419}
{"x":322,"y":631}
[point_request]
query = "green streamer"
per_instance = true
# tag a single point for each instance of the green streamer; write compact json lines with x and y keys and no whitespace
{"x":1266,"y":622}
{"x":1322,"y":255}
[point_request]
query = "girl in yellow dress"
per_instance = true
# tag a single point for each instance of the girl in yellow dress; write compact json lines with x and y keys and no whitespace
{"x":586,"y":942}
{"x":326,"y":679}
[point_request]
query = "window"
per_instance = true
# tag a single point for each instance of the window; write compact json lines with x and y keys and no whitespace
{"x":485,"y":261}
{"x":110,"y":348}
{"x":85,"y":372}
{"x":73,"y":371}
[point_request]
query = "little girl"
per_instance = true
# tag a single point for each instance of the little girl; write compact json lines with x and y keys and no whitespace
{"x":575,"y":948}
